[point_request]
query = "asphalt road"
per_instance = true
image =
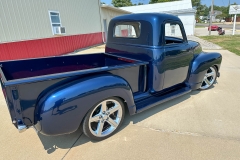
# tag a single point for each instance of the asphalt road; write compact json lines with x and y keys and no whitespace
{"x":228,"y":26}
{"x":205,"y":32}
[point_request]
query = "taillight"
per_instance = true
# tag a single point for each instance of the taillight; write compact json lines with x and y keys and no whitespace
{"x":126,"y":60}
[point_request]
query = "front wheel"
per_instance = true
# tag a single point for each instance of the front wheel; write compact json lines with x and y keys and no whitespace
{"x":104,"y":119}
{"x":209,"y":78}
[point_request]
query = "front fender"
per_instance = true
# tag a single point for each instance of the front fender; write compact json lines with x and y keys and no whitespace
{"x":62,"y":110}
{"x":200,"y":65}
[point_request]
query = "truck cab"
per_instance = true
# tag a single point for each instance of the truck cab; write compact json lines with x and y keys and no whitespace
{"x":159,"y":39}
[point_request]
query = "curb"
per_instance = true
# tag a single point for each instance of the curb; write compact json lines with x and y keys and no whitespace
{"x":237,"y":30}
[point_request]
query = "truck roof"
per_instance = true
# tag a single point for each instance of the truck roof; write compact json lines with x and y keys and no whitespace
{"x":150,"y":17}
{"x":151,"y":28}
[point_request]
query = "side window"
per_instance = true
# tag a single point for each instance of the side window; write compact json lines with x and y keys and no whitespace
{"x":173,"y":33}
{"x":55,"y":21}
{"x":127,"y":29}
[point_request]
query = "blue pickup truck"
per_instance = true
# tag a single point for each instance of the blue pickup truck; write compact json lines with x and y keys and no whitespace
{"x":147,"y":61}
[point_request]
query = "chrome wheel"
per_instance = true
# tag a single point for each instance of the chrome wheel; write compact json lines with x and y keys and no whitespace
{"x":209,"y":78}
{"x":105,"y":118}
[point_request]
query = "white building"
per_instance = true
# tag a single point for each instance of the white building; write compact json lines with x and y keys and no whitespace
{"x":183,"y":9}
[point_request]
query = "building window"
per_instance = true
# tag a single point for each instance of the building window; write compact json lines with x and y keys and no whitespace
{"x":55,"y":22}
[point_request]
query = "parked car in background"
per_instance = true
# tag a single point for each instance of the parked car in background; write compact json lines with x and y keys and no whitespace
{"x":221,"y":31}
{"x":213,"y":28}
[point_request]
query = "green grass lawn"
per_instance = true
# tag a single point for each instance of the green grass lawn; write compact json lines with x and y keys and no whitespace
{"x":199,"y":26}
{"x":231,"y":43}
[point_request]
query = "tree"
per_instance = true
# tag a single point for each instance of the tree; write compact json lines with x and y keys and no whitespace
{"x":138,"y":4}
{"x":202,"y":10}
{"x":224,"y":10}
{"x":196,"y":3}
{"x":205,"y":10}
{"x":121,"y":3}
{"x":199,"y":7}
{"x":159,"y":1}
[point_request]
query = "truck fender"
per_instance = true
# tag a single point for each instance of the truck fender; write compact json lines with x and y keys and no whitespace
{"x":200,"y":65}
{"x":62,"y":110}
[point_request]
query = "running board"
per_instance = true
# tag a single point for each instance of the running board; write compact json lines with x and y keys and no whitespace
{"x":156,"y":100}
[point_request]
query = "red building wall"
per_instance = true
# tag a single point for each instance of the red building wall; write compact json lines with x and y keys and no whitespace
{"x":47,"y":47}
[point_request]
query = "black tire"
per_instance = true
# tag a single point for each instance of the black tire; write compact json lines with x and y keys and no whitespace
{"x":212,"y":80}
{"x":86,"y":124}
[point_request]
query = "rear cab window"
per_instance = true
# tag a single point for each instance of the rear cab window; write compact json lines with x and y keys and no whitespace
{"x":127,"y":30}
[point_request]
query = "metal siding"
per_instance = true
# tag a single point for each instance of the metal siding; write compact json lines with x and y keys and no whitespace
{"x":4,"y":53}
{"x":23,"y":21}
{"x":5,"y":22}
{"x":28,"y":19}
{"x":2,"y":33}
{"x":48,"y":46}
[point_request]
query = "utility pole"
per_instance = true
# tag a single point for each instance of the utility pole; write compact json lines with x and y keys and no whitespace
{"x":234,"y":24}
{"x":229,"y":3}
{"x":210,"y":23}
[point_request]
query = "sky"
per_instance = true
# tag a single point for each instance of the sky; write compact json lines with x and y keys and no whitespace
{"x":207,"y":2}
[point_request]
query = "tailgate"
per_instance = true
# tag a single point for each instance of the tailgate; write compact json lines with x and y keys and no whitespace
{"x":7,"y":93}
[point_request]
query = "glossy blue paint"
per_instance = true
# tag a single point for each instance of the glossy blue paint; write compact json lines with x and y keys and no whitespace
{"x":157,"y":99}
{"x":9,"y":100}
{"x":169,"y":64}
{"x":62,"y":110}
{"x":54,"y":65}
{"x":31,"y":89}
{"x":55,"y":93}
{"x":201,"y":63}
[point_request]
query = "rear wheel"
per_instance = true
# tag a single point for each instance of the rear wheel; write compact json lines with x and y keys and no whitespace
{"x":104,"y":119}
{"x":209,"y":78}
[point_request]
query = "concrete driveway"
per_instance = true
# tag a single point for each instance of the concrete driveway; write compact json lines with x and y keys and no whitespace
{"x":199,"y":125}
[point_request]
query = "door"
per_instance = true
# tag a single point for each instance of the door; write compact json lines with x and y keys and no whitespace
{"x":177,"y":55}
{"x":105,"y":29}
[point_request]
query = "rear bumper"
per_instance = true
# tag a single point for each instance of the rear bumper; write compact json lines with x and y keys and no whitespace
{"x":20,"y":126}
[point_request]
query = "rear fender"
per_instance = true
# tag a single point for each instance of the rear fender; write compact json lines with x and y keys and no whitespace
{"x":62,"y":110}
{"x":200,"y":65}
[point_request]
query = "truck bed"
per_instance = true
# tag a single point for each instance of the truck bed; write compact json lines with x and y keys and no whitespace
{"x":22,"y":71}
{"x":25,"y":81}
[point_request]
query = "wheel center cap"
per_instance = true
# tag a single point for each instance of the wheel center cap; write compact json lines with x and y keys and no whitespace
{"x":105,"y":117}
